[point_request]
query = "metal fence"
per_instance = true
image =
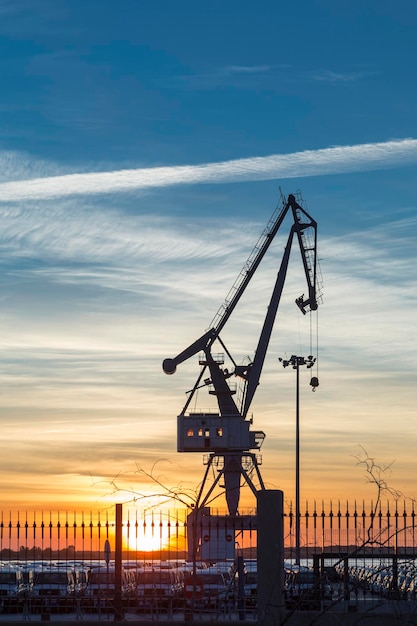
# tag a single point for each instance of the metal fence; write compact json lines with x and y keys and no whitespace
{"x":389,"y":526}
{"x":53,"y":562}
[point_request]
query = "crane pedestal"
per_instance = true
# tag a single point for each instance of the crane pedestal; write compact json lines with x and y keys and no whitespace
{"x":212,"y":537}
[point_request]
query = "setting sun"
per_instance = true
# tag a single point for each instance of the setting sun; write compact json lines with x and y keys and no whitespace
{"x":149,"y":534}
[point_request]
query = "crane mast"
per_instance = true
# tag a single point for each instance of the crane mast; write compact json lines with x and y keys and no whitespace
{"x":226,"y":434}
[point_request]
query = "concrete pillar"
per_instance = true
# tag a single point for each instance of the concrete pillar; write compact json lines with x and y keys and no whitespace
{"x":270,"y":556}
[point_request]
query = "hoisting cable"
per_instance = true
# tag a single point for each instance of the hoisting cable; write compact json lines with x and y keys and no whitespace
{"x":314,"y":382}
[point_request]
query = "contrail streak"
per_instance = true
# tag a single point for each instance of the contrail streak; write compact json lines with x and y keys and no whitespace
{"x":335,"y":160}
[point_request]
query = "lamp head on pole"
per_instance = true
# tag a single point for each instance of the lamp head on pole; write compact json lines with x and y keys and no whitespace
{"x":296,"y":361}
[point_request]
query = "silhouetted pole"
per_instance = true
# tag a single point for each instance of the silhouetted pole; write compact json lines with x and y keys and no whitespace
{"x":118,"y":612}
{"x":297,"y":468}
{"x":296,"y":361}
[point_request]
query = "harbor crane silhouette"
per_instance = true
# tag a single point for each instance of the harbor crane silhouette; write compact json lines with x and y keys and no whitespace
{"x":225,"y":435}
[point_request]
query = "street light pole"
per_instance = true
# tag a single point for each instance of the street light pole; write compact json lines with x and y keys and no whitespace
{"x":295,"y":362}
{"x":297,"y":464}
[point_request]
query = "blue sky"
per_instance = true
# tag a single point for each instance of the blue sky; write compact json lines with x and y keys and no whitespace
{"x":142,"y":149}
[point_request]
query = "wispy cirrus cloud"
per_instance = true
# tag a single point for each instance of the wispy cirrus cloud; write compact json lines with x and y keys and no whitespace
{"x":333,"y":160}
{"x":246,"y":69}
{"x":18,"y":166}
{"x":328,"y":76}
{"x":240,"y":76}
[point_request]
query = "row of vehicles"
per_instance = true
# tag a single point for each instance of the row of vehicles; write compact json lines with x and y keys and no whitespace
{"x":164,"y":585}
{"x":92,"y":587}
{"x":383,"y":579}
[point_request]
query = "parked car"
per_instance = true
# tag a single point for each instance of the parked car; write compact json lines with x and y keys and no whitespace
{"x":303,"y":589}
{"x":216,"y":591}
{"x":251,"y":584}
{"x":50,"y":588}
{"x":100,"y":590}
{"x":159,"y":586}
{"x":8,"y":587}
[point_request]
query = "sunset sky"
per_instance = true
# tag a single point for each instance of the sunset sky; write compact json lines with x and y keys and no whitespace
{"x":143,"y":146}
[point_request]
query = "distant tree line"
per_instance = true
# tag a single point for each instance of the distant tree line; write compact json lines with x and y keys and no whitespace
{"x":36,"y":553}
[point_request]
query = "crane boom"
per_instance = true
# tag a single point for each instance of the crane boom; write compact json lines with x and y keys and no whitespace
{"x":248,"y":270}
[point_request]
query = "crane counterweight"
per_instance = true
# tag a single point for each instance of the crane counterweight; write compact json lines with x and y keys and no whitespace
{"x":169,"y":366}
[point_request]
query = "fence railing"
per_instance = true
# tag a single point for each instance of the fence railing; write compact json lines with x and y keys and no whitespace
{"x":362,"y":552}
{"x":338,"y":527}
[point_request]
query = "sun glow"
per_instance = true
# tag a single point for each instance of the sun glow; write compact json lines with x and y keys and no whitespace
{"x":145,"y":541}
{"x":150,"y":535}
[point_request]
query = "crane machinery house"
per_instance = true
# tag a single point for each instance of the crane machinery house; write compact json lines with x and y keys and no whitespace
{"x":201,"y":432}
